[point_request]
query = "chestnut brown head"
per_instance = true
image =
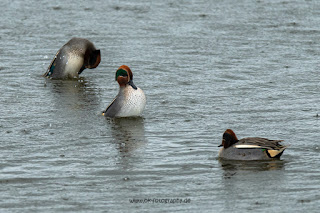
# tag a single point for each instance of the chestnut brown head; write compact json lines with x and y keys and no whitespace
{"x":124,"y":76}
{"x":228,"y":139}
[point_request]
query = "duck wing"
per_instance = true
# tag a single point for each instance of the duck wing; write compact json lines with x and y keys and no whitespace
{"x":51,"y":66}
{"x":256,"y":142}
{"x":113,"y":108}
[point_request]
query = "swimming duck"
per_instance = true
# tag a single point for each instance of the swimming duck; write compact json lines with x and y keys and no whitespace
{"x":249,"y":148}
{"x":72,"y":58}
{"x":130,"y":100}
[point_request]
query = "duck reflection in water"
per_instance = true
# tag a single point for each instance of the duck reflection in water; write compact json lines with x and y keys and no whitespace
{"x":73,"y":94}
{"x":128,"y":133}
{"x":232,"y":167}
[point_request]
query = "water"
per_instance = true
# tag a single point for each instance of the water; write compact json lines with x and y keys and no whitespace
{"x":252,"y":66}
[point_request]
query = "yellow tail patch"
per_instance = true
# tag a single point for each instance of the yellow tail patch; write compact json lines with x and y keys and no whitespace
{"x":274,"y":153}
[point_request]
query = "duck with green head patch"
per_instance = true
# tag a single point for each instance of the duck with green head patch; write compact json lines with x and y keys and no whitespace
{"x":75,"y":56}
{"x":130,"y":101}
{"x":253,"y":148}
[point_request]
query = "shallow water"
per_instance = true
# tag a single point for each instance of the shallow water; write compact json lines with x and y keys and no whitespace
{"x":252,"y":66}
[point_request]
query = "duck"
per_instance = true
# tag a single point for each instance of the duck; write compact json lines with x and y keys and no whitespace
{"x":130,"y":101}
{"x":72,"y":58}
{"x":251,"y":148}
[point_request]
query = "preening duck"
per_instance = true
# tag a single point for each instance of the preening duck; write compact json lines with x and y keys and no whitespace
{"x":72,"y":58}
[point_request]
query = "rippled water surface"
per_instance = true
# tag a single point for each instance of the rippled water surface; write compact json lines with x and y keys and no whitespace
{"x":205,"y":66}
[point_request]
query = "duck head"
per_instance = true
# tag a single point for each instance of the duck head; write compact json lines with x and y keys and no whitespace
{"x":92,"y":59}
{"x":228,"y":139}
{"x":124,"y":76}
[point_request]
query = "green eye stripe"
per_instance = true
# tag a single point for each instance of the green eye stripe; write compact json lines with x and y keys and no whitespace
{"x":121,"y":72}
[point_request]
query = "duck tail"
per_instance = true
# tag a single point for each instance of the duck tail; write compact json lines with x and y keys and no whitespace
{"x":276,"y":153}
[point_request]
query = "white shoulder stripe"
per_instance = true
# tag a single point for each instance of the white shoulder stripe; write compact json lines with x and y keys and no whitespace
{"x":246,"y":146}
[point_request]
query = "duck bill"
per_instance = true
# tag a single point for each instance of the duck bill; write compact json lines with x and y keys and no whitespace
{"x":132,"y":84}
{"x":223,"y":140}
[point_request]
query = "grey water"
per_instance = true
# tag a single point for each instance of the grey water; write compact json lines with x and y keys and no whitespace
{"x":205,"y":66}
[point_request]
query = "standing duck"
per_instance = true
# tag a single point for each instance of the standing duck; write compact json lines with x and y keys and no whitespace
{"x":249,"y":148}
{"x":72,"y":58}
{"x":130,"y":101}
